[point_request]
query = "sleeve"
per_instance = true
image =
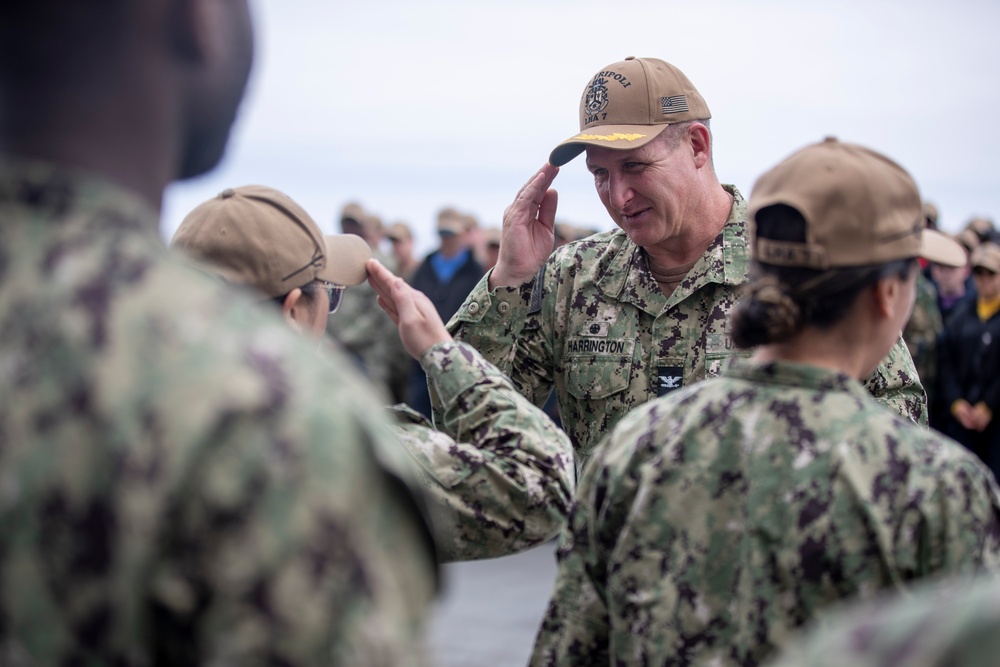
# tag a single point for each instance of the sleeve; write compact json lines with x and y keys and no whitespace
{"x":896,"y":385}
{"x":500,"y":324}
{"x":291,"y":542}
{"x":501,"y":469}
{"x":491,"y":321}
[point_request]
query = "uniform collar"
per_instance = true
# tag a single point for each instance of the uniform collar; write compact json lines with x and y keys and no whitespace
{"x":791,"y":374}
{"x":725,"y":262}
{"x":53,"y":192}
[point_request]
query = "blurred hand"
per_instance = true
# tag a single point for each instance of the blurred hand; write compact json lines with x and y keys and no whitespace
{"x":981,"y":416}
{"x":419,"y":324}
{"x":964,"y":414}
{"x":528,"y":231}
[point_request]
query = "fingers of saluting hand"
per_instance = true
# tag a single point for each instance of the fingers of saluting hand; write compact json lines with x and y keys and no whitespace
{"x":389,"y":308}
{"x":532,"y":195}
{"x":547,"y":209}
{"x":382,"y":280}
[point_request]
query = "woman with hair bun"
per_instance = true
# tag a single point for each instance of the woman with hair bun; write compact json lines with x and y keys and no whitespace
{"x":714,"y":521}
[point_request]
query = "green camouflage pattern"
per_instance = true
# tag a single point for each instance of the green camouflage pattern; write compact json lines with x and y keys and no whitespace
{"x":608,"y":339}
{"x":183,"y":481}
{"x":922,"y":331}
{"x":502,"y":471}
{"x":955,"y":623}
{"x":370,"y":336}
{"x":713,"y":522}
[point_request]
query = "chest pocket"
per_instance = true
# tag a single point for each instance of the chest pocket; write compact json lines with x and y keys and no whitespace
{"x":597,"y":368}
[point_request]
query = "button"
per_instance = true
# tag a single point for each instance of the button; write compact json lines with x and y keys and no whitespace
{"x":227,"y":193}
{"x":629,"y":57}
{"x":473,"y":307}
{"x":504,"y":308}
{"x":595,"y":328}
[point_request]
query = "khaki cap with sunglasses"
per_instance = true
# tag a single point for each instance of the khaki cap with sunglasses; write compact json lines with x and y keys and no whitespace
{"x":986,"y":257}
{"x":259,"y":237}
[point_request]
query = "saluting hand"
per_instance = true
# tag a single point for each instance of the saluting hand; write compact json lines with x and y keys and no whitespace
{"x":528,"y":231}
{"x":419,"y":324}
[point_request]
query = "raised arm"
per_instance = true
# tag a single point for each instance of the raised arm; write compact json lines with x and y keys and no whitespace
{"x":500,"y":469}
{"x":528,"y":231}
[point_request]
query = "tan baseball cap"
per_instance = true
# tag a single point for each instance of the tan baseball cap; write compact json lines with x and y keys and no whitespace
{"x":352,"y":211}
{"x":983,"y":227}
{"x":969,"y":239}
{"x":450,"y":220}
{"x":257,"y":236}
{"x":399,"y":231}
{"x":860,"y":208}
{"x":931,"y":214}
{"x":987,"y":256}
{"x":629,"y":103}
{"x":492,"y":236}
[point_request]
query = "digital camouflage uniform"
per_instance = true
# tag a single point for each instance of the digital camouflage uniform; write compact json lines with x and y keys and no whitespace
{"x":182,"y":481}
{"x":955,"y":623}
{"x":501,"y":469}
{"x":371,"y":337}
{"x":922,"y":331}
{"x":609,"y":340}
{"x":715,"y":521}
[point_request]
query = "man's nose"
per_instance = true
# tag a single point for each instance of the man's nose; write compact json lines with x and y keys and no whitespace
{"x":619,"y":191}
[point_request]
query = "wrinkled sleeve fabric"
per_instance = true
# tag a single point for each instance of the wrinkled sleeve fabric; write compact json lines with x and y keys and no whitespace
{"x":497,"y":323}
{"x":500,"y":470}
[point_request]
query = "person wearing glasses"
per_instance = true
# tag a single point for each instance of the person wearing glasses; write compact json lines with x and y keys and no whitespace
{"x":501,"y":473}
{"x":714,"y":521}
{"x":259,"y":238}
{"x":970,"y":361}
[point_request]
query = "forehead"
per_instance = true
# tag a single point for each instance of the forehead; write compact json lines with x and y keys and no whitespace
{"x":604,"y":156}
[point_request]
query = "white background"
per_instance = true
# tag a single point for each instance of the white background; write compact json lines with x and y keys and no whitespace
{"x":409,"y":106}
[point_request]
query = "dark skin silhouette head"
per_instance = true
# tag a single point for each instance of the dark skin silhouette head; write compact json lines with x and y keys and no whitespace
{"x":142,"y":93}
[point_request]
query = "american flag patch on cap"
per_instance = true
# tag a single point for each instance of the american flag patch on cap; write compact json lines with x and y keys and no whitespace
{"x":674,"y":104}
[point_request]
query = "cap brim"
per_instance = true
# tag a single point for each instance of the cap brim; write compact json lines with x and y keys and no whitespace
{"x":941,"y":249}
{"x":618,"y":137}
{"x":346,"y":255}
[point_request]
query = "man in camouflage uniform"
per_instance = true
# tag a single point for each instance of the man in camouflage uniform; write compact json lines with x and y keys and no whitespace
{"x":954,"y":623}
{"x":625,"y":316}
{"x":713,"y":522}
{"x":921,"y":334}
{"x":184,"y":483}
{"x":501,"y":473}
{"x":360,"y":326}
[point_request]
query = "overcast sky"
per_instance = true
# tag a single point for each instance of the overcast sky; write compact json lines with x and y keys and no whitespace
{"x":409,"y":106}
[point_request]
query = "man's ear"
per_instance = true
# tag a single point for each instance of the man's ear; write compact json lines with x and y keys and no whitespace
{"x":291,"y":309}
{"x":701,"y":144}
